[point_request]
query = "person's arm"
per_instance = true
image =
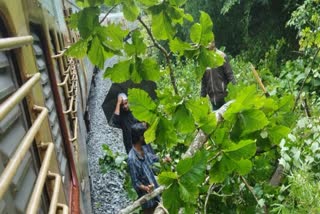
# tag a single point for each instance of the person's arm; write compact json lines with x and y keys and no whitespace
{"x":115,"y":118}
{"x":228,"y":71}
{"x":203,"y":91}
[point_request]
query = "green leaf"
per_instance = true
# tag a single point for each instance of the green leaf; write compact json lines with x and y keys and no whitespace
{"x":73,"y":20}
{"x":276,"y":133}
{"x":88,"y":20}
{"x":137,"y":47}
{"x":113,"y":35}
{"x":161,"y":26}
{"x":208,"y":123}
{"x":120,"y":72}
{"x":221,"y":169}
{"x":196,"y":174}
{"x":177,"y":3}
{"x":242,"y":150}
{"x":150,"y":70}
{"x":149,"y":2}
{"x":252,"y":120}
{"x":169,"y":194}
{"x":130,"y":10}
{"x":167,"y":178}
{"x":183,"y":120}
{"x":195,"y":33}
{"x":78,"y":49}
{"x":150,"y":134}
{"x":188,"y":192}
{"x":97,"y":53}
{"x":210,"y":59}
{"x":178,"y":46}
{"x":112,"y":2}
{"x":166,"y":134}
{"x":184,"y":166}
{"x":199,"y":108}
{"x":206,"y":30}
{"x":142,"y":106}
{"x":244,"y":166}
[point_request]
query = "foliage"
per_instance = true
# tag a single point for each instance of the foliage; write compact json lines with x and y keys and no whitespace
{"x":243,"y":149}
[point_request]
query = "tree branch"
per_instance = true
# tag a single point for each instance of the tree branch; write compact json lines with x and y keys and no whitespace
{"x":142,"y":200}
{"x":253,"y":193}
{"x":109,"y":11}
{"x":164,"y":52}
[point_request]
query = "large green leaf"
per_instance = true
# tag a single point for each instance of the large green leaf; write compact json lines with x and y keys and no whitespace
{"x":276,"y":133}
{"x":97,"y":53}
{"x":206,"y":29}
{"x":162,"y":26}
{"x":199,"y":108}
{"x":166,"y":134}
{"x":113,"y":35}
{"x":243,"y":150}
{"x":130,"y":10}
{"x":120,"y":72}
{"x":177,"y":3}
{"x":208,"y":123}
{"x":112,"y":2}
{"x":142,"y":106}
{"x":195,"y":33}
{"x":149,"y":2}
{"x":78,"y":49}
{"x":252,"y":120}
{"x":168,"y":196}
{"x":243,"y":166}
{"x":167,"y":178}
{"x":177,"y":46}
{"x":196,"y":174}
{"x":188,"y":192}
{"x":88,"y":20}
{"x":150,"y":134}
{"x":208,"y":58}
{"x":183,"y":120}
{"x":221,"y":169}
{"x":137,"y":47}
{"x":150,"y":69}
{"x":184,"y":166}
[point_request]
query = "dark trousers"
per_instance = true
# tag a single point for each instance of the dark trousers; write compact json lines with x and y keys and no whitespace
{"x":217,"y":105}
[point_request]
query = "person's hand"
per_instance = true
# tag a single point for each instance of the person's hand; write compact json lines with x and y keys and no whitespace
{"x":167,"y":159}
{"x":120,"y":99}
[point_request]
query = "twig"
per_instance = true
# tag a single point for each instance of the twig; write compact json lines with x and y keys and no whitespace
{"x":306,"y":107}
{"x":142,"y":200}
{"x":164,"y":52}
{"x":305,"y":79}
{"x":207,"y":198}
{"x":253,"y":193}
{"x":109,"y":11}
{"x":256,"y":75}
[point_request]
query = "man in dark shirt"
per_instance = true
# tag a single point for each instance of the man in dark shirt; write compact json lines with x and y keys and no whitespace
{"x":123,"y":118}
{"x":215,"y":80}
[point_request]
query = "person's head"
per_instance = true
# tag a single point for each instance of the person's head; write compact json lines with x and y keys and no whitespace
{"x":124,"y":104}
{"x":137,"y":131}
{"x":212,"y":45}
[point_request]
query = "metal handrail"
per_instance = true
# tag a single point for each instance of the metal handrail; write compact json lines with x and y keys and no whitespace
{"x":65,"y":208}
{"x":16,"y":98}
{"x":60,"y":54}
{"x":13,"y":164}
{"x":15,"y":42}
{"x":55,"y":194}
{"x":75,"y":131}
{"x":64,"y":81}
{"x":34,"y":201}
{"x":70,"y":106}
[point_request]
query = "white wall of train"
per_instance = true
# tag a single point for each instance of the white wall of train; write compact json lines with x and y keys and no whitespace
{"x":43,"y":99}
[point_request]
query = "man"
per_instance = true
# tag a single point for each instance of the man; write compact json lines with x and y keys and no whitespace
{"x":215,"y":80}
{"x":123,"y":118}
{"x":140,"y":162}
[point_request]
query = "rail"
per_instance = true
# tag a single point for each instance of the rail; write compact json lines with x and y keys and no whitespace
{"x":65,"y":208}
{"x":13,"y":164}
{"x":15,"y":98}
{"x":60,"y":54}
{"x":75,"y":131}
{"x":55,"y":194}
{"x":42,"y":176}
{"x":15,"y":42}
{"x":70,"y":106}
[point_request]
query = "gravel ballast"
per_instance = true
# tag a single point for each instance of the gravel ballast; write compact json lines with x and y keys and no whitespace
{"x":107,"y":194}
